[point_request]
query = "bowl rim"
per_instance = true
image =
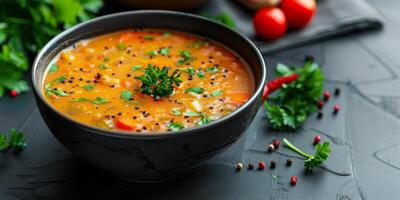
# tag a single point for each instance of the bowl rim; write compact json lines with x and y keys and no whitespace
{"x":150,"y":135}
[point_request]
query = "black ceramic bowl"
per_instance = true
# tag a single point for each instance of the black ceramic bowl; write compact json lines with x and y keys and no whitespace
{"x":149,"y":157}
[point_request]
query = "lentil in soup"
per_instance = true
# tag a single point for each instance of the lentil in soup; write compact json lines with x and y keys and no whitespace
{"x":147,"y":80}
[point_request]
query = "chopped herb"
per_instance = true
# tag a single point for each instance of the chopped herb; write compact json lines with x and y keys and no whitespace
{"x":88,"y":87}
{"x":322,"y":152}
{"x":16,"y":140}
{"x":100,"y":100}
{"x":213,"y":69}
{"x":59,"y":92}
{"x":60,"y":79}
{"x":216,"y":93}
{"x":157,"y":83}
{"x":198,"y":44}
{"x":176,"y":111}
{"x":203,"y":120}
{"x":164,"y":51}
{"x":197,"y":90}
{"x":53,"y":68}
{"x":126,"y":95}
{"x":166,"y":34}
{"x":293,"y":102}
{"x":200,"y":74}
{"x":106,"y":59}
{"x":152,"y":53}
{"x":103,"y":66}
{"x":121,"y":46}
{"x":189,"y":70}
{"x":191,"y":114}
{"x":136,"y":67}
{"x":175,"y":126}
{"x":148,"y":37}
{"x":186,"y":57}
{"x":80,"y":100}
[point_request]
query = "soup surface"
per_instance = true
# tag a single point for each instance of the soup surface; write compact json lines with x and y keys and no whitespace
{"x":147,"y":80}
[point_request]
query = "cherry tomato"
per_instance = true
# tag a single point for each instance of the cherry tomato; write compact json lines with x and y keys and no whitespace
{"x":298,"y":13}
{"x":270,"y":23}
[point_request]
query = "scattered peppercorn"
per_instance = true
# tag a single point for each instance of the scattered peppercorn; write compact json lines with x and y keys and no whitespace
{"x":250,"y":166}
{"x":239,"y":166}
{"x":13,"y":93}
{"x":293,"y":180}
{"x":327,"y":95}
{"x":261,"y":165}
{"x":320,"y":115}
{"x":320,"y":104}
{"x":289,"y":162}
{"x":317,"y":139}
{"x":276,"y":143}
{"x":271,"y":147}
{"x":337,"y":91}
{"x":336,"y":108}
{"x":272,"y":164}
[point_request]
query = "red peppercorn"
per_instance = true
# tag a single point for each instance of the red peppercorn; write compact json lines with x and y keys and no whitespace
{"x":336,"y":108}
{"x":293,"y":180}
{"x":317,"y":139}
{"x":276,"y":143}
{"x":13,"y":93}
{"x":327,"y":94}
{"x":320,"y":104}
{"x":261,"y":165}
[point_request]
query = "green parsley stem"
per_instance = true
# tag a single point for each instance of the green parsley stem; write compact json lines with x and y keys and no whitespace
{"x":295,"y":149}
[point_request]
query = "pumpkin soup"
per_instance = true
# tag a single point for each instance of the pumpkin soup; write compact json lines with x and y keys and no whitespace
{"x":147,"y":80}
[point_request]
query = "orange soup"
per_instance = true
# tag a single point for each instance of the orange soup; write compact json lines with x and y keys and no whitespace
{"x":147,"y":80}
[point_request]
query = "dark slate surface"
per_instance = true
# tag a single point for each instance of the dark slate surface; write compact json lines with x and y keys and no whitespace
{"x":365,"y":138}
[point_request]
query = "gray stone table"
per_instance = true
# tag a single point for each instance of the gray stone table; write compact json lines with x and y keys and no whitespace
{"x":365,"y":137}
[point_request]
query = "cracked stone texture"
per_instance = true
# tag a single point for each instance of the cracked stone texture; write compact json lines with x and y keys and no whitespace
{"x":365,"y":139}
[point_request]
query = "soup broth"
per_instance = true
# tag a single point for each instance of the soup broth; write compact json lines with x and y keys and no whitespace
{"x":147,"y":80}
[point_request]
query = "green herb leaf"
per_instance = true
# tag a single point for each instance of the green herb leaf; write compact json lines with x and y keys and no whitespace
{"x":189,"y":70}
{"x":186,"y":57}
{"x":152,"y":53}
{"x":60,"y":79}
{"x":88,"y":87}
{"x":175,"y":126}
{"x":223,"y":18}
{"x":176,"y":111}
{"x":100,"y":100}
{"x":103,"y":66}
{"x":216,"y":93}
{"x":136,"y":67}
{"x":164,"y":51}
{"x":59,"y":92}
{"x":157,"y":83}
{"x":121,"y":46}
{"x":166,"y":34}
{"x":200,"y":74}
{"x":191,"y":114}
{"x":53,"y":68}
{"x":80,"y":100}
{"x":197,"y":90}
{"x":213,"y":69}
{"x":126,"y":95}
{"x":148,"y":37}
{"x":203,"y":120}
{"x":16,"y":140}
{"x":106,"y":59}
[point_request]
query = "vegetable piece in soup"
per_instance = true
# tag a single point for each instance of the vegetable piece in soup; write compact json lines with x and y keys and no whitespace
{"x":147,"y":80}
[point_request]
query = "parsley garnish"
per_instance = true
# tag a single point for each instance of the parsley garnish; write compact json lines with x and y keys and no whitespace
{"x":203,"y":120}
{"x":292,"y":103}
{"x":164,"y":51}
{"x":321,"y":154}
{"x":216,"y":93}
{"x":16,"y":140}
{"x":176,"y":111}
{"x":103,"y":66}
{"x":59,"y":92}
{"x":223,"y":18}
{"x":166,"y":34}
{"x":152,"y":53}
{"x":189,"y":70}
{"x":191,"y":114}
{"x":197,"y":90}
{"x":121,"y":46}
{"x":186,"y":57}
{"x":106,"y":59}
{"x":148,"y":37}
{"x":157,"y":83}
{"x":88,"y":87}
{"x":98,"y":100}
{"x":126,"y":95}
{"x":213,"y":69}
{"x":53,"y":68}
{"x":198,"y":44}
{"x":136,"y":67}
{"x":175,"y":126}
{"x":200,"y":74}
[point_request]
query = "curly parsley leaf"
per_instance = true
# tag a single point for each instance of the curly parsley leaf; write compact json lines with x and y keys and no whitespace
{"x":157,"y":83}
{"x":292,"y":103}
{"x":15,"y":140}
{"x":321,"y":154}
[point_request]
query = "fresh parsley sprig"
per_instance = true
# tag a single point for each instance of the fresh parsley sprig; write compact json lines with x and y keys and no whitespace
{"x":157,"y":83}
{"x":15,"y":140}
{"x":292,"y":103}
{"x":322,"y":152}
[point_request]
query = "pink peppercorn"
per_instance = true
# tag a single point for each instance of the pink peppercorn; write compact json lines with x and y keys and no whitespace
{"x":327,"y":94}
{"x":13,"y":93}
{"x":293,"y":180}
{"x":320,"y":104}
{"x":317,"y":139}
{"x":276,"y":143}
{"x":336,"y":108}
{"x":261,"y":165}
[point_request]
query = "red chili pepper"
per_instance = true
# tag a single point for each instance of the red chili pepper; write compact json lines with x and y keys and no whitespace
{"x":13,"y":93}
{"x":320,"y":104}
{"x":327,"y":95}
{"x":336,"y":108}
{"x":261,"y":165}
{"x":277,"y":83}
{"x":276,"y":143}
{"x":293,"y":180}
{"x":317,"y":139}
